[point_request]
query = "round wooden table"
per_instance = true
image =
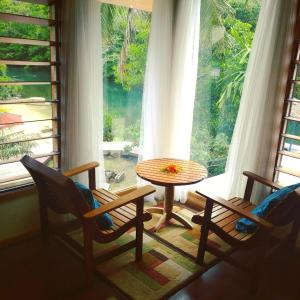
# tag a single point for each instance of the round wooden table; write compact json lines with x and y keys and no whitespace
{"x":189,"y":172}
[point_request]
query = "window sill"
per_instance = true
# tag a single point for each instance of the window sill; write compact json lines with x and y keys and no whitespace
{"x":17,"y":192}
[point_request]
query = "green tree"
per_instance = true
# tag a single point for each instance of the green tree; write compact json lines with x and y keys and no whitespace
{"x":125,"y":35}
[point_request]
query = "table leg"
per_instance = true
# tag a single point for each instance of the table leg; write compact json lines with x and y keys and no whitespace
{"x":168,"y":203}
{"x":167,"y":212}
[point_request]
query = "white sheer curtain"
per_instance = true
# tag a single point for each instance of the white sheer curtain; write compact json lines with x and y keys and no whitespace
{"x":170,"y":81}
{"x":157,"y":86}
{"x":261,"y":98}
{"x":82,"y":85}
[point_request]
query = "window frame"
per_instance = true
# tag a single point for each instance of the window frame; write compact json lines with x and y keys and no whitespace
{"x":294,"y":62}
{"x":54,"y":43}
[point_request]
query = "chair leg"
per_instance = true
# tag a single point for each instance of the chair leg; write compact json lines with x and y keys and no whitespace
{"x":204,"y":231}
{"x":259,"y":265}
{"x":88,"y":257}
{"x":256,"y":277}
{"x":44,"y":223}
{"x":292,"y":240}
{"x":139,"y":229}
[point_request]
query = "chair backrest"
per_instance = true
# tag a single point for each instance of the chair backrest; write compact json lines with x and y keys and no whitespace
{"x":56,"y":190}
{"x":287,"y":210}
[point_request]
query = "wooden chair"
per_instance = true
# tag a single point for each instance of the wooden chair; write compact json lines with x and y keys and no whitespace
{"x":59,"y":193}
{"x":220,"y":216}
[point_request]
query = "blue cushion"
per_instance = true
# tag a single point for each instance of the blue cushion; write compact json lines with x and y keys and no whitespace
{"x":261,"y":210}
{"x":104,"y":221}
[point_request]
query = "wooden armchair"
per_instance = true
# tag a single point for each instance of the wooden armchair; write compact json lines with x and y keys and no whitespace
{"x":58,"y":192}
{"x":220,"y":216}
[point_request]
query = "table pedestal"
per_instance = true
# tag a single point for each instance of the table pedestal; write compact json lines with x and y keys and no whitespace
{"x":167,"y":212}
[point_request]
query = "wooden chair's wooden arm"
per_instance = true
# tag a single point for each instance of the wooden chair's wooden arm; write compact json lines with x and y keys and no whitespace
{"x":244,"y":213}
{"x":123,"y":200}
{"x":262,"y":180}
{"x":86,"y":167}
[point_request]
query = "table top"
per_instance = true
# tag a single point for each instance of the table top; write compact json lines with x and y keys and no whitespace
{"x":189,"y":171}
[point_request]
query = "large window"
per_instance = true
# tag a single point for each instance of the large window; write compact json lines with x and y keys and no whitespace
{"x":29,"y":93}
{"x":227,"y":30}
{"x":125,"y":33}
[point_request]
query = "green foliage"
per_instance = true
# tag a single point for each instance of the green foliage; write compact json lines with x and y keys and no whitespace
{"x":24,"y":8}
{"x":210,"y":151}
{"x":107,"y":129}
{"x":7,"y":92}
{"x":14,"y":149}
{"x":132,"y":132}
{"x":127,"y":149}
{"x":246,"y":11}
{"x":233,"y":68}
{"x":125,"y":43}
{"x":221,"y":74}
{"x":135,"y":64}
{"x":19,"y":30}
{"x":296,"y":91}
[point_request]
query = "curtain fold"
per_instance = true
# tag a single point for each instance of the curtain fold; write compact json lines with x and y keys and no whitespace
{"x":253,"y":136}
{"x":157,"y":87}
{"x":170,"y":82}
{"x":82,"y":85}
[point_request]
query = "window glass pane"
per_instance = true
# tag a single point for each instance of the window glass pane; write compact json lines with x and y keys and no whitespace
{"x":22,"y":106}
{"x":296,"y":91}
{"x":14,"y":174}
{"x":125,"y":33}
{"x":18,"y":149}
{"x":37,"y":129}
{"x":226,"y":35}
{"x":287,"y":179}
{"x":24,"y":8}
{"x":297,"y":73}
{"x":26,"y":112}
{"x":292,"y":146}
{"x":24,"y":52}
{"x":27,"y":73}
{"x":293,"y":128}
{"x":295,"y":110}
{"x":26,"y":31}
{"x":25,"y":92}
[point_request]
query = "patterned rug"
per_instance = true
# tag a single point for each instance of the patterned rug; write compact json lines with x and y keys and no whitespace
{"x":168,"y":259}
{"x":162,"y":272}
{"x":185,"y":240}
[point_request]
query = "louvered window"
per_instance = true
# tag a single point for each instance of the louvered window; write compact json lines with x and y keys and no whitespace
{"x":29,"y":88}
{"x":287,"y":170}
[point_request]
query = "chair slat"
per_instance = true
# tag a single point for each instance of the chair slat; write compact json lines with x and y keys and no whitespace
{"x":232,"y":217}
{"x":120,"y":214}
{"x":130,"y":208}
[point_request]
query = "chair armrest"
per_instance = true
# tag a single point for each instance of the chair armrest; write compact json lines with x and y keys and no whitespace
{"x":123,"y":200}
{"x":244,"y":213}
{"x":262,"y":180}
{"x":81,"y":169}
